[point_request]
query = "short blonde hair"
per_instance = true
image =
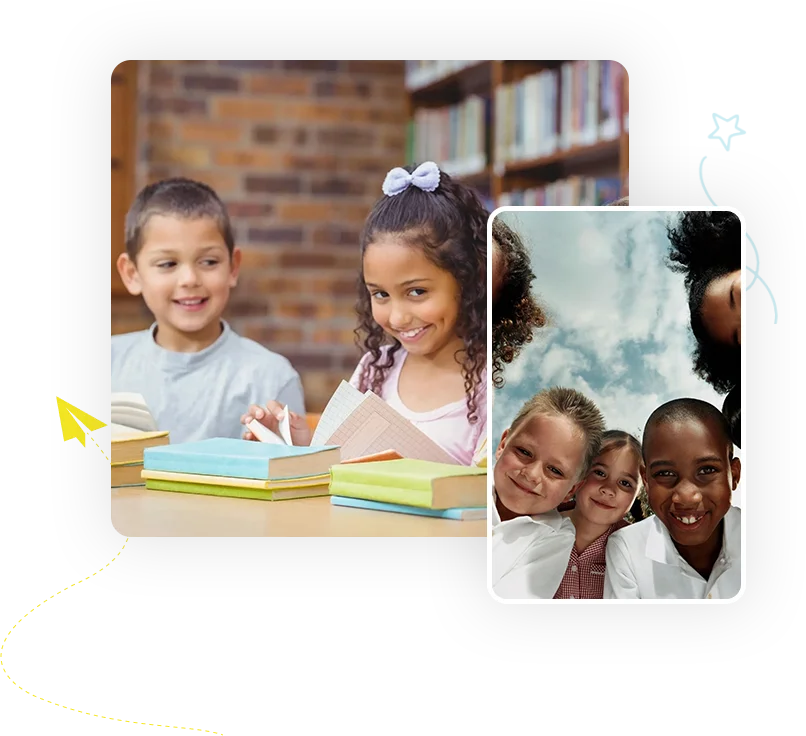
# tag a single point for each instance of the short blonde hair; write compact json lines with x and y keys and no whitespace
{"x":567,"y":402}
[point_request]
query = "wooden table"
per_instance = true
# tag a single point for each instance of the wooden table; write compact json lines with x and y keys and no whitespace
{"x":139,"y":512}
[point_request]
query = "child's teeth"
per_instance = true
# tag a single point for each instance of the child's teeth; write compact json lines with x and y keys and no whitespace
{"x":688,"y":519}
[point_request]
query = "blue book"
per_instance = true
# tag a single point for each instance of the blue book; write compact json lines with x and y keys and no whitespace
{"x":233,"y":458}
{"x":465,"y":514}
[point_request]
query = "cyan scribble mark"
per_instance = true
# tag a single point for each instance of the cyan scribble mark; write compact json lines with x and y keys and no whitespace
{"x":755,"y":273}
{"x":727,"y":126}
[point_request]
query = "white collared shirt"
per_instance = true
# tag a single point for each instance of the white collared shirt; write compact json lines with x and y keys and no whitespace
{"x":642,"y":562}
{"x":530,"y":554}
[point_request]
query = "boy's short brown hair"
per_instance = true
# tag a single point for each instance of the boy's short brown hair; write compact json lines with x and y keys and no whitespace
{"x":578,"y":408}
{"x":177,"y":197}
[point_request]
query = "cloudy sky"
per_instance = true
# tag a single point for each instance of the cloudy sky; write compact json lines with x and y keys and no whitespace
{"x":618,"y":317}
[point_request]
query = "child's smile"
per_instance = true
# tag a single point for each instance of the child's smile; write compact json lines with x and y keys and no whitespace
{"x":611,"y":486}
{"x":192,"y":304}
{"x":537,"y":464}
{"x":690,"y":478}
{"x":411,"y":336}
{"x":184,"y":273}
{"x":413,"y":300}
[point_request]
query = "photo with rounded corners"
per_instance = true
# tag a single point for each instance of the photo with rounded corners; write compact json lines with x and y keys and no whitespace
{"x":616,"y":442}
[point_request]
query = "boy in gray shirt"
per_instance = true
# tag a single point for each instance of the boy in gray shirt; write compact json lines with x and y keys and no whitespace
{"x":196,"y":375}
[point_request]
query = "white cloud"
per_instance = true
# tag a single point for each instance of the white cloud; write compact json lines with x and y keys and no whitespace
{"x":619,"y":316}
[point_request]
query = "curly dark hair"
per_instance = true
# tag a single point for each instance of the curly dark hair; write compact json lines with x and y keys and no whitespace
{"x":516,"y":313}
{"x":450,"y":226}
{"x":704,"y":247}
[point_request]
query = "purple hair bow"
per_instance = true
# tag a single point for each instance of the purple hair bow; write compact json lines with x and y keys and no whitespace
{"x":425,"y":177}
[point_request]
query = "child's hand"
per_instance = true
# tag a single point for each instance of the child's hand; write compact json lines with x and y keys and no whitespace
{"x":269,"y":416}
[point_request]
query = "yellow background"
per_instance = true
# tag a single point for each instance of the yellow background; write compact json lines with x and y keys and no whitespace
{"x":154,"y":675}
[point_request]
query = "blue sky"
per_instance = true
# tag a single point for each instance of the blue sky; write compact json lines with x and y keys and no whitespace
{"x":618,"y":316}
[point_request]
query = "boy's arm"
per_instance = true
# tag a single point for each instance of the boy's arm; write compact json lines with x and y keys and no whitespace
{"x":292,"y":395}
{"x":620,"y":580}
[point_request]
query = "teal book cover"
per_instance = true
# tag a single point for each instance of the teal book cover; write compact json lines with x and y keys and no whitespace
{"x":229,"y":457}
{"x":465,"y":514}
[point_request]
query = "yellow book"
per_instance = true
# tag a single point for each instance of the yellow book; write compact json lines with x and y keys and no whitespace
{"x":412,"y":483}
{"x":221,"y":480}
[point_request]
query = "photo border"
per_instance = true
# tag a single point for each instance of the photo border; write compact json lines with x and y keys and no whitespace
{"x":491,"y":389}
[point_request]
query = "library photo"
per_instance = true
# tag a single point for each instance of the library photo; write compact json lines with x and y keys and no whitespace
{"x":287,"y":356}
{"x":616,"y":421}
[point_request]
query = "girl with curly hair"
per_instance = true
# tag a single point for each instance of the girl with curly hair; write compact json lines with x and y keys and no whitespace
{"x":706,"y":248}
{"x":422,"y":310}
{"x":516,"y":313}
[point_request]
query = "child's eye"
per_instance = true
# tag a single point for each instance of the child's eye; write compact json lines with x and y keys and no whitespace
{"x":378,"y":295}
{"x":417,"y":292}
{"x":626,"y":484}
{"x":599,"y":473}
{"x":523,"y":451}
{"x":664,"y":474}
{"x":707,"y":470}
{"x":555,"y":471}
{"x":166,"y":264}
{"x":210,"y":262}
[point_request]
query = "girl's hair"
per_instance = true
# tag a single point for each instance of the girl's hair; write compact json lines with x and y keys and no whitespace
{"x":732,"y":409}
{"x":578,"y":408}
{"x":450,"y":226}
{"x":516,"y":314}
{"x":623,"y":202}
{"x":706,"y":246}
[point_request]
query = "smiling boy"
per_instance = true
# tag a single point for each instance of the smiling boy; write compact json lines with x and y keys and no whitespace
{"x":541,"y":460}
{"x":691,"y":548}
{"x":195,"y":374}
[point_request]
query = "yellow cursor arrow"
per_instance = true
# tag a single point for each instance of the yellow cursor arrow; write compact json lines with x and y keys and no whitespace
{"x":70,"y":427}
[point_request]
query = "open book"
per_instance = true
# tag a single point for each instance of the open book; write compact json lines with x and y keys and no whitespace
{"x":130,"y":412}
{"x":363,"y":425}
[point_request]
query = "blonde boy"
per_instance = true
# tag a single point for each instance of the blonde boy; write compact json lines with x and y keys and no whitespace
{"x":541,"y":460}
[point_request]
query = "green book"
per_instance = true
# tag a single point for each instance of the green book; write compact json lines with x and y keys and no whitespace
{"x":420,"y":483}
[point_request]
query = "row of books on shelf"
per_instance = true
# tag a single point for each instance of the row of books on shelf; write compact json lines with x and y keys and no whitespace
{"x":456,"y":136}
{"x":573,"y":191}
{"x":578,"y":104}
{"x":413,"y":475}
{"x":422,"y":73}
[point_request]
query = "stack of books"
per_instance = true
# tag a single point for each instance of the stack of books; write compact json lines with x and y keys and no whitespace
{"x":240,"y":469}
{"x":573,"y":191}
{"x":410,"y":486}
{"x":133,"y":431}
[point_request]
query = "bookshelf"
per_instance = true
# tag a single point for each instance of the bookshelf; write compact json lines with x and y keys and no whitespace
{"x":523,"y":132}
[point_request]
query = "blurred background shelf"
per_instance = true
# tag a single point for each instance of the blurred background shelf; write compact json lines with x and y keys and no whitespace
{"x":521,"y":132}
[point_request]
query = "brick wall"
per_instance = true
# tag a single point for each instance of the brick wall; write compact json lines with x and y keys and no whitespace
{"x":298,"y":151}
